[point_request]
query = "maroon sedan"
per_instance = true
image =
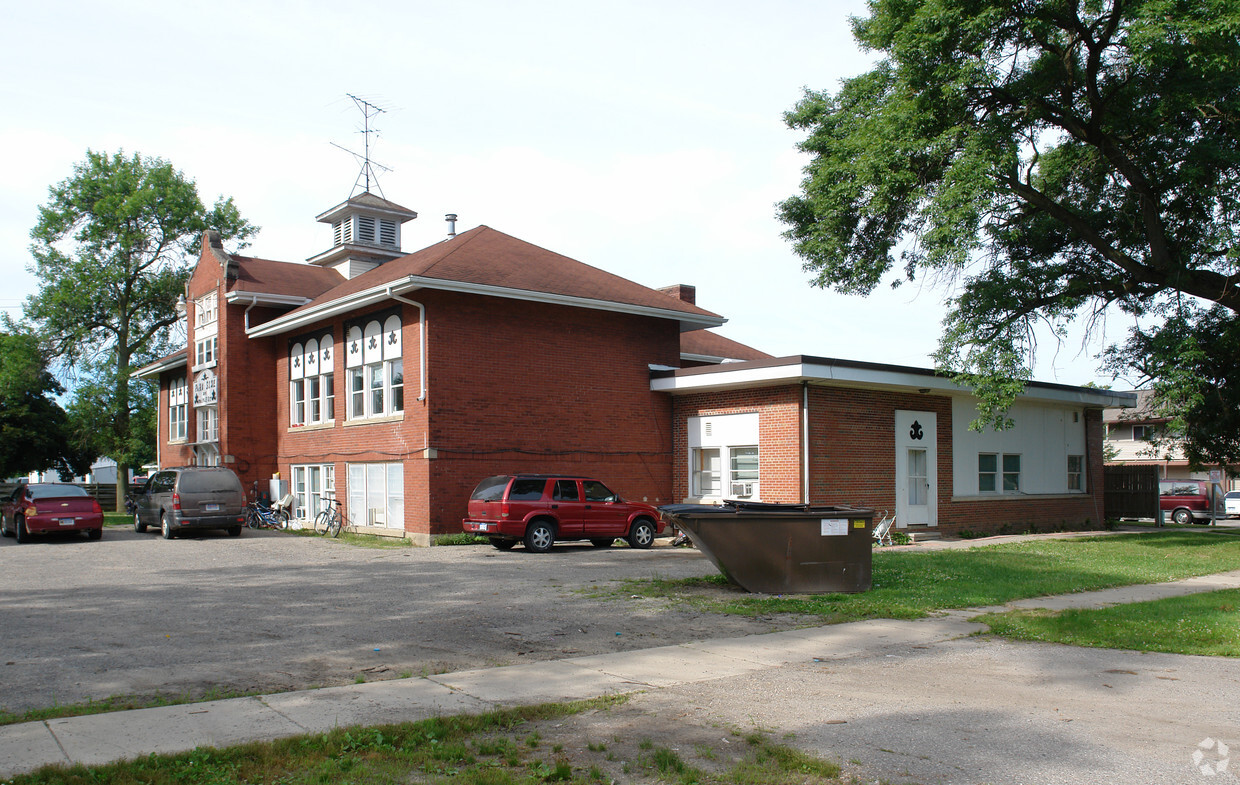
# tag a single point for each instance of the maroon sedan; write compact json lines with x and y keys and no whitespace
{"x":40,"y":508}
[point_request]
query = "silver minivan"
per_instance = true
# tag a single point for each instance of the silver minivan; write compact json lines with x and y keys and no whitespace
{"x":191,"y":497}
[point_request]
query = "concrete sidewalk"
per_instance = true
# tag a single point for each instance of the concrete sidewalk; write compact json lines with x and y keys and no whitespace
{"x":115,"y":736}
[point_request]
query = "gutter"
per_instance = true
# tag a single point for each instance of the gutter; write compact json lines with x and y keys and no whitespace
{"x":381,"y":292}
{"x":421,"y":336}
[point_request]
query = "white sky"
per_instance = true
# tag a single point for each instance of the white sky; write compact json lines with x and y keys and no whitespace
{"x":645,"y":138}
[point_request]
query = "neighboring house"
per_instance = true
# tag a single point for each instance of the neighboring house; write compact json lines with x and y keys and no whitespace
{"x":1135,"y":437}
{"x":397,"y":381}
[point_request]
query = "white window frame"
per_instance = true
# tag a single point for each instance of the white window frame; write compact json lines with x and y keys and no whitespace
{"x":208,"y":424}
{"x":178,"y":409}
{"x":375,"y":369}
{"x":312,"y":391}
{"x":206,"y":310}
{"x":376,"y":495}
{"x":206,"y":352}
{"x":312,"y":484}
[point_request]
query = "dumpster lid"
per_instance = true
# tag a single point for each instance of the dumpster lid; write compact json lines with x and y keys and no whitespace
{"x":762,"y":508}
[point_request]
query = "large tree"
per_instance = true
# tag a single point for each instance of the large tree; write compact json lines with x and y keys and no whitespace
{"x":113,"y":249}
{"x":1048,"y":160}
{"x":35,"y":432}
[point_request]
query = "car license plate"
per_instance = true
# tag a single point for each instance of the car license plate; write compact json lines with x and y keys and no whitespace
{"x":211,"y":507}
{"x":67,"y":521}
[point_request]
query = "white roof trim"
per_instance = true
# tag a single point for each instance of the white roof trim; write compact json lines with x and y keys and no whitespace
{"x":379,"y":293}
{"x":863,"y":375}
{"x":153,"y":370}
{"x":262,"y":298}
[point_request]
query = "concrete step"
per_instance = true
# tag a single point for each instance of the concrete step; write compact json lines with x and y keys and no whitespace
{"x":922,"y":535}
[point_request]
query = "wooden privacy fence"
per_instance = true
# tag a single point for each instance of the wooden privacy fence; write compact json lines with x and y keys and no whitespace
{"x":1131,"y":491}
{"x":105,"y":493}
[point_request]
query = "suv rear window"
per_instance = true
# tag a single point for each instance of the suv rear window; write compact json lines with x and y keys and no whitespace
{"x":204,"y":482}
{"x":527,"y":489}
{"x":491,"y":489}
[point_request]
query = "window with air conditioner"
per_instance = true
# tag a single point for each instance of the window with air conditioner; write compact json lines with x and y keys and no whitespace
{"x":376,"y":495}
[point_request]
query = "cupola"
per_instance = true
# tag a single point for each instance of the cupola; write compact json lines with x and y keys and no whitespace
{"x":365,"y":234}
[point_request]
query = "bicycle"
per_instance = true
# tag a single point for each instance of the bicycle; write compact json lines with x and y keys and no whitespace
{"x":329,"y":521}
{"x":274,"y":517}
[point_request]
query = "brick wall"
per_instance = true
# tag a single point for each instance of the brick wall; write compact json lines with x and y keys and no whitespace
{"x":779,"y":436}
{"x":511,"y":386}
{"x":852,"y":444}
{"x":518,"y":386}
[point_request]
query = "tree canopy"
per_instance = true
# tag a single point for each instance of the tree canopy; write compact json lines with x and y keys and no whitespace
{"x":34,"y":429}
{"x":1048,"y":160}
{"x":112,"y":250}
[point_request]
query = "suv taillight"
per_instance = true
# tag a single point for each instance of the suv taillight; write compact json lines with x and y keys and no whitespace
{"x":176,"y":501}
{"x":503,"y":509}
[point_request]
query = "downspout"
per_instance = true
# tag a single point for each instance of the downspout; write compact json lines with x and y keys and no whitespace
{"x":253,"y":302}
{"x":421,"y":336}
{"x":805,"y":442}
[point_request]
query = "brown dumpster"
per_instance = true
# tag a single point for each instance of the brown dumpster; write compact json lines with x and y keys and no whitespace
{"x":782,"y":548}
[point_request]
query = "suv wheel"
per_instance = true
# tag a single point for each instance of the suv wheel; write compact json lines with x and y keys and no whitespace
{"x":19,"y":524}
{"x":1182,"y":517}
{"x":502,"y":544}
{"x":539,"y":537}
{"x":165,"y":527}
{"x":138,"y":525}
{"x":642,"y":534}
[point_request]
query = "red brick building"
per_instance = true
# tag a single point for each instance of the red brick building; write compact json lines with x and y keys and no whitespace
{"x":396,"y":381}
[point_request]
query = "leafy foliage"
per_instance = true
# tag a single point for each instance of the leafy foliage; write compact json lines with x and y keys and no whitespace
{"x":112,"y":249}
{"x":34,"y":429}
{"x":1050,"y":158}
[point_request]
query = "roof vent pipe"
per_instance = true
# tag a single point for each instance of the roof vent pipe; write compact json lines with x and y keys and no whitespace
{"x":451,"y":219}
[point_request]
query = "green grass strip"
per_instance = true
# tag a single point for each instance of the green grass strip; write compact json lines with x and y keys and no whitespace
{"x":1205,"y":624}
{"x":913,"y":584}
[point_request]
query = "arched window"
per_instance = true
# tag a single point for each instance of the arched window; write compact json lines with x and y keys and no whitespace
{"x":311,"y":381}
{"x":376,"y":374}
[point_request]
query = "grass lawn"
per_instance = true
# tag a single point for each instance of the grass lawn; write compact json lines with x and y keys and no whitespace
{"x":1206,"y":624}
{"x":510,"y":747}
{"x":912,"y":584}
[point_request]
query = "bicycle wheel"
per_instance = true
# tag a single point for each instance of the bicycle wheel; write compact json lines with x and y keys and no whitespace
{"x":321,"y":522}
{"x":335,"y":525}
{"x":282,"y":519}
{"x":251,"y":518}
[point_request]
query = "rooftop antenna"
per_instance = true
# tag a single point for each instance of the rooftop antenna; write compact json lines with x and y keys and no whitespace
{"x":367,"y":173}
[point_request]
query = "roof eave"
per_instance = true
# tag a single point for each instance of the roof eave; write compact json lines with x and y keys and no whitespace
{"x":153,"y":370}
{"x":265,"y":298}
{"x":410,"y":283}
{"x":796,"y":369}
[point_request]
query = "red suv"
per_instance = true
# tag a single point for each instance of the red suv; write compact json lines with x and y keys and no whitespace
{"x":539,"y":509}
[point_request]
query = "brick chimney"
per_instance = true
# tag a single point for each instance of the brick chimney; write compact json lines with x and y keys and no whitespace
{"x":682,"y":291}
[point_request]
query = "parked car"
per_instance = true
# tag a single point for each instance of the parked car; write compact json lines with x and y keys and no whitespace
{"x":1188,"y":501}
{"x":190,"y":497}
{"x":44,"y":507}
{"x":540,"y":509}
{"x":1231,"y":504}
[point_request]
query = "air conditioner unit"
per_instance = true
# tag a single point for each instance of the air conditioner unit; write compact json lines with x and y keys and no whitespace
{"x":742,"y":490}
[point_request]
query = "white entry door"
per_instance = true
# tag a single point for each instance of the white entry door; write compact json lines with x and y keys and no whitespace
{"x":916,"y":475}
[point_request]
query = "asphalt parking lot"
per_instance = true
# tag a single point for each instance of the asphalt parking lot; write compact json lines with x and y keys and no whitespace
{"x":134,"y":614}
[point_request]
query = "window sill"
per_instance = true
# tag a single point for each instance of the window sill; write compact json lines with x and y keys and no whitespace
{"x":374,"y":420}
{"x":312,"y":426}
{"x":204,"y":366}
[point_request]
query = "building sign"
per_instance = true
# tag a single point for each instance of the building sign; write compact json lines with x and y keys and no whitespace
{"x":205,"y":388}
